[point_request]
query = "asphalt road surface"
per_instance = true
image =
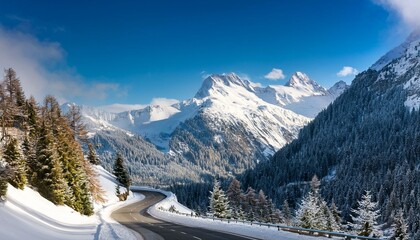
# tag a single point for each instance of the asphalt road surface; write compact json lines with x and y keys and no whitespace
{"x":135,"y":216}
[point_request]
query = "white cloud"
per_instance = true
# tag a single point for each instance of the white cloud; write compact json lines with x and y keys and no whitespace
{"x":118,"y":107}
{"x":275,"y":74}
{"x":347,"y":71}
{"x":163,"y":101}
{"x":408,"y":10}
{"x":42,"y":69}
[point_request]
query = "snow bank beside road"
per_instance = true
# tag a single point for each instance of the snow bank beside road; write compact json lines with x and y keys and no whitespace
{"x":27,"y":215}
{"x":166,"y":203}
{"x":243,"y":229}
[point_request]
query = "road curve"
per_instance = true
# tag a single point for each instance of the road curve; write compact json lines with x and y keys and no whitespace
{"x":135,"y":216}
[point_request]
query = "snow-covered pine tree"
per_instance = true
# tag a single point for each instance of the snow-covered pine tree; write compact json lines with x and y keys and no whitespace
{"x":121,"y":172}
{"x":92,"y":156}
{"x":49,"y":176}
{"x":329,"y":223}
{"x":287,"y":214}
{"x":4,"y":176}
{"x":365,"y":218}
{"x":13,"y":156}
{"x":400,"y":227}
{"x":219,"y":204}
{"x":309,"y":211}
{"x":336,"y":214}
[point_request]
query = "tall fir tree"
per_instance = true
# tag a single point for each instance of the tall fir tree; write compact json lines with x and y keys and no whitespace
{"x":13,"y":156}
{"x":121,"y":172}
{"x":74,"y":118}
{"x":235,"y":196}
{"x":336,"y":214}
{"x":313,"y":211}
{"x":250,"y":204}
{"x":219,"y":204}
{"x":400,"y":227}
{"x":49,"y":178}
{"x":4,"y":176}
{"x":92,"y":156}
{"x":365,"y":218}
{"x":287,"y":213}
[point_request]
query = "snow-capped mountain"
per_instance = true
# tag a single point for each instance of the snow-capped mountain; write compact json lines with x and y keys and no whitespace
{"x":231,"y":122}
{"x":301,"y":94}
{"x":402,"y":64}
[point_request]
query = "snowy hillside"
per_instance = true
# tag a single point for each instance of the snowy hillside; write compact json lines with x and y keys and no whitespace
{"x":402,"y":64}
{"x":27,"y":215}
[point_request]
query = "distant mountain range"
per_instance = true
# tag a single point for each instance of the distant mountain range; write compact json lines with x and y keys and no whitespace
{"x":227,"y":127}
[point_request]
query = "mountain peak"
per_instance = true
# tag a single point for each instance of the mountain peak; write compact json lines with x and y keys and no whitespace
{"x":301,"y":81}
{"x":219,"y":82}
{"x":397,"y":52}
{"x":338,"y":88}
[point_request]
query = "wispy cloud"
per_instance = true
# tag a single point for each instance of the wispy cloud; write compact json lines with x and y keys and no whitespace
{"x":407,"y":10}
{"x":42,"y":69}
{"x":118,"y":107}
{"x":275,"y":74}
{"x":347,"y":71}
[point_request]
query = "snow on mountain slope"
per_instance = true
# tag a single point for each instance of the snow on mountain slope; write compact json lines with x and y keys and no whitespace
{"x":299,"y":86}
{"x":265,"y":112}
{"x":229,"y":99}
{"x":27,"y":215}
{"x":310,"y":106}
{"x":403,"y":64}
{"x":397,"y":52}
{"x":301,"y":94}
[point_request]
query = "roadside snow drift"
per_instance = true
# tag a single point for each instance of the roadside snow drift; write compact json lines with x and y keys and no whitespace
{"x":27,"y":215}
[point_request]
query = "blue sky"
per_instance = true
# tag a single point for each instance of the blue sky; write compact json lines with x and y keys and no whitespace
{"x":130,"y":52}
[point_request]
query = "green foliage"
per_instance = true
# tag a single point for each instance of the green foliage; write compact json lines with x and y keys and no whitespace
{"x":92,"y":157}
{"x":13,"y":157}
{"x":366,"y":215}
{"x":400,"y":227}
{"x":121,"y":172}
{"x":219,"y":204}
{"x":4,"y":175}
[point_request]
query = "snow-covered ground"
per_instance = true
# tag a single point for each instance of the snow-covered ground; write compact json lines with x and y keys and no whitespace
{"x":261,"y":232}
{"x":27,"y":215}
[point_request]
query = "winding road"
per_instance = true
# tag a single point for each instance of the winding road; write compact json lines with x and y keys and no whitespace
{"x":135,"y":216}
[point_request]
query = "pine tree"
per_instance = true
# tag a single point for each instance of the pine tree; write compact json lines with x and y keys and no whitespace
{"x":121,"y":172}
{"x":13,"y":157}
{"x":262,"y":207}
{"x":328,"y":219}
{"x":365,"y":222}
{"x":4,"y":176}
{"x":250,"y":204}
{"x":74,"y":118}
{"x":49,"y":177}
{"x":336,"y":214}
{"x":400,"y":227}
{"x":307,"y":213}
{"x":92,"y":157}
{"x":313,"y":211}
{"x":235,"y":195}
{"x":219,"y":204}
{"x":287,"y":214}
